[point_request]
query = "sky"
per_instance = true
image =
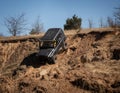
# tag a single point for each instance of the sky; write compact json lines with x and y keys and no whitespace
{"x":53,"y":13}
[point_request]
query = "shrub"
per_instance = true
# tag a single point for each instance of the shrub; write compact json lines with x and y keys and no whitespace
{"x":73,"y":23}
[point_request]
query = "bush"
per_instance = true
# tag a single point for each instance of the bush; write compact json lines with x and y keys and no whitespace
{"x":73,"y":23}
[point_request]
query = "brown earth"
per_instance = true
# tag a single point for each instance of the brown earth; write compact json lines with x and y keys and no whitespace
{"x":91,"y":64}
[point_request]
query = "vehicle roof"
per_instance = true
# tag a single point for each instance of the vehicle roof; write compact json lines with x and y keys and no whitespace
{"x":51,"y":34}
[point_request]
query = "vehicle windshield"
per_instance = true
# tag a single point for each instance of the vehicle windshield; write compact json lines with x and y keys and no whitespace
{"x":47,"y":44}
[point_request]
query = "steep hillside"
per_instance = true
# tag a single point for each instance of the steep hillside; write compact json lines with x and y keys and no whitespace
{"x":91,"y":64}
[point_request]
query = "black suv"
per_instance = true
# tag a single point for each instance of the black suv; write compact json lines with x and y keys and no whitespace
{"x":50,"y":44}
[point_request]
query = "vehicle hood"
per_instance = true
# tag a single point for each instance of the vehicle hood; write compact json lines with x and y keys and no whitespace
{"x":46,"y":52}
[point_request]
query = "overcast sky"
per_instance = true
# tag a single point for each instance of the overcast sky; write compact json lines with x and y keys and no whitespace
{"x":53,"y":13}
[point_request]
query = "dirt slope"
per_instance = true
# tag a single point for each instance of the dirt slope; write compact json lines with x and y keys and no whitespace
{"x":91,"y":64}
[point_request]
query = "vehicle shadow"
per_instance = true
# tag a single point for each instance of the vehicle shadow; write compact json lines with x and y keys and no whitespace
{"x":32,"y":60}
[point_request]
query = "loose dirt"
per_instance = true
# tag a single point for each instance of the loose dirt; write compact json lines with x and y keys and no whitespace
{"x":90,"y":64}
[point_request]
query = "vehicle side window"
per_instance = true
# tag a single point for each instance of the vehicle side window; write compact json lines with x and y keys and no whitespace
{"x":59,"y":37}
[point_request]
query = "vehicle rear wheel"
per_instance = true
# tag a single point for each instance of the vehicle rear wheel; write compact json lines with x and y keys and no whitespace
{"x":64,"y":47}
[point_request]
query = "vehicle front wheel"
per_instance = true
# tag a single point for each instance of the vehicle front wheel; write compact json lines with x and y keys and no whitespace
{"x":52,"y":60}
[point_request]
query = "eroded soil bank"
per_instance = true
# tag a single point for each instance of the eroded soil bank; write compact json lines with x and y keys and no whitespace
{"x":91,"y":64}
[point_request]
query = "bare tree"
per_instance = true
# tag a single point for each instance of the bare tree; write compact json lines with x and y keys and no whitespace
{"x":101,"y":22}
{"x":90,"y":22}
{"x":117,"y":16}
{"x":1,"y":34}
{"x":37,"y":27}
{"x":110,"y":22}
{"x":15,"y":25}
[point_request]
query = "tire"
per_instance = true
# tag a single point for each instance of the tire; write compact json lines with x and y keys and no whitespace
{"x":52,"y":60}
{"x":64,"y":47}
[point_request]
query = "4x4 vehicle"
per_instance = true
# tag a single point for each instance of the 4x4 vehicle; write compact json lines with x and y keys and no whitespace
{"x":50,"y":44}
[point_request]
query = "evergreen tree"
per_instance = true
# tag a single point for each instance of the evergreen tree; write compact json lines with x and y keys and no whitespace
{"x":73,"y":23}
